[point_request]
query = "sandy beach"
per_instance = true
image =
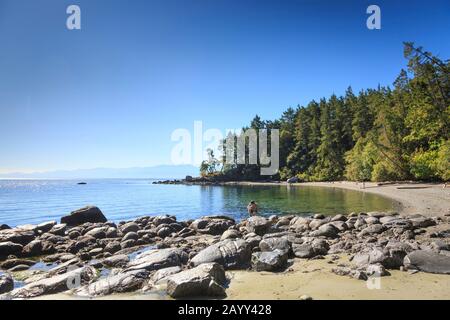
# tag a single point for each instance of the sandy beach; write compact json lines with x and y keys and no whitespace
{"x":315,"y":279}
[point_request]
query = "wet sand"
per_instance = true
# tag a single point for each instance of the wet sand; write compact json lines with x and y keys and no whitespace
{"x":315,"y":279}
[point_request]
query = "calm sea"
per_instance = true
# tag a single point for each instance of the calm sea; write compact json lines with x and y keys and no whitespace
{"x":35,"y":201}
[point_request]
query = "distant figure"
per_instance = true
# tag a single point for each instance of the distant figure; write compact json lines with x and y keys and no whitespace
{"x":252,"y":208}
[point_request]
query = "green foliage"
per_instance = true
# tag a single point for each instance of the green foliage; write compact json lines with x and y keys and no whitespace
{"x":423,"y":164}
{"x":380,"y":134}
{"x":360,"y":161}
{"x":442,"y":163}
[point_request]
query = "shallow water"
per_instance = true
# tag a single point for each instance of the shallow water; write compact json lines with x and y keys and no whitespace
{"x":35,"y":201}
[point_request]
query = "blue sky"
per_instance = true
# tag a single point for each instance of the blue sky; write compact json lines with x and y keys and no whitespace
{"x":111,"y":94}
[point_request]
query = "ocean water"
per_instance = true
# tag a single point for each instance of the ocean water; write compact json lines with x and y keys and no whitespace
{"x":36,"y":201}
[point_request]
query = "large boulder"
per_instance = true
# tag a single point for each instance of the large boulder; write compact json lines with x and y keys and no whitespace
{"x":231,"y":254}
{"x":269,"y":260}
{"x":162,"y":275}
{"x":38,"y":247}
{"x":83,"y":215}
{"x":271,"y":244}
{"x":9,"y":248}
{"x":327,"y":230}
{"x":122,"y":282}
{"x":427,"y":261}
{"x":371,"y":230}
{"x":215,"y":225}
{"x":129,"y":227}
{"x":11,"y":263}
{"x":59,"y":283}
{"x":45,"y":226}
{"x":422,"y":222}
{"x":158,"y":259}
{"x":6,"y":283}
{"x":310,"y":250}
{"x":118,"y":260}
{"x":98,"y":232}
{"x":258,"y":225}
{"x":391,"y":257}
{"x":202,"y":281}
{"x":17,"y":235}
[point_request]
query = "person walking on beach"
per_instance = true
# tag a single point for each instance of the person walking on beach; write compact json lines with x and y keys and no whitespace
{"x":252,"y":208}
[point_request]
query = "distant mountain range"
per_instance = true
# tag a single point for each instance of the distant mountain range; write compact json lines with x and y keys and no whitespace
{"x":156,"y":172}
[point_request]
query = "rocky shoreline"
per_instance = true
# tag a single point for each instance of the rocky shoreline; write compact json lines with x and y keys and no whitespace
{"x":87,"y":256}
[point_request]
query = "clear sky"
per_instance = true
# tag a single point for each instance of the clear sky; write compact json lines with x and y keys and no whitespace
{"x":110,"y":94}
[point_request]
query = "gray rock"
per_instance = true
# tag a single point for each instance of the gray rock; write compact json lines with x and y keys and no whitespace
{"x":390,"y":257}
{"x":372,"y":220}
{"x":317,"y":223}
{"x":116,"y":261}
{"x":202,"y":281}
{"x":83,"y":215}
{"x":270,"y":244}
{"x":230,"y":234}
{"x":269,"y":260}
{"x":56,"y":284}
{"x":6,"y":283}
{"x":340,"y":225}
{"x":20,"y":236}
{"x":258,"y":225}
{"x":427,"y":261}
{"x":130,"y":236}
{"x":11,"y":263}
{"x":9,"y":248}
{"x":339,"y":217}
{"x":163,"y":220}
{"x":37,"y":248}
{"x":320,"y":246}
{"x":422,"y":222}
{"x":214,"y":225}
{"x":81,"y":243}
{"x":231,"y":254}
{"x":158,"y":259}
{"x":45,"y":226}
{"x":128,"y":244}
{"x":129,"y":227}
{"x":58,"y":229}
{"x":310,"y":250}
{"x":165,"y":232}
{"x":439,"y":245}
{"x":396,"y":222}
{"x":252,"y":239}
{"x":112,"y":247}
{"x":371,"y":230}
{"x":4,"y":227}
{"x":122,"y":282}
{"x":162,"y":274}
{"x":97,"y":233}
{"x":304,"y":250}
{"x":327,"y":230}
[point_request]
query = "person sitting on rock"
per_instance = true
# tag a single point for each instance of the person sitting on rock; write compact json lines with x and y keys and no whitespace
{"x":252,"y":208}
